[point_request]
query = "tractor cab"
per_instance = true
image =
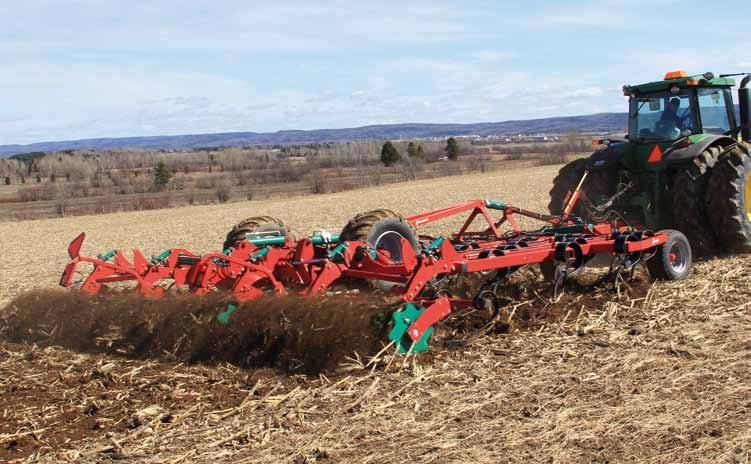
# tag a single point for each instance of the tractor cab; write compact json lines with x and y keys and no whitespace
{"x":685,"y":164}
{"x":681,"y":106}
{"x":673,"y":120}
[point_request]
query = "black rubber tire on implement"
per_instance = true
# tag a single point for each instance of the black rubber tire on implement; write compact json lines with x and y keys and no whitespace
{"x":729,"y":197}
{"x":690,"y":205}
{"x":254,"y":224}
{"x":676,"y":267}
{"x":602,"y":182}
{"x":373,"y":226}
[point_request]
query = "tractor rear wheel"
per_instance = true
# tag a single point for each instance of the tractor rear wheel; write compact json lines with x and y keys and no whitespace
{"x":689,"y":198}
{"x":261,"y":225}
{"x":598,"y":183}
{"x":381,"y":229}
{"x":730,"y":200}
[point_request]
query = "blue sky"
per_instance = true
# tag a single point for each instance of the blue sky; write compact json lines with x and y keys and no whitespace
{"x":95,"y":68}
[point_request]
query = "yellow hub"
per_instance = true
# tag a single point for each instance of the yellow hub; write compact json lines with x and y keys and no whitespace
{"x":748,"y":196}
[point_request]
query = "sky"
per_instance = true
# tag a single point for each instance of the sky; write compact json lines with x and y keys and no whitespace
{"x":72,"y":69}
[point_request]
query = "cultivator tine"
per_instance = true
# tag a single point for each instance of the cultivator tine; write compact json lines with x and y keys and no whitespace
{"x":414,"y":325}
{"x":625,"y":262}
{"x":223,"y":317}
{"x":399,"y":334}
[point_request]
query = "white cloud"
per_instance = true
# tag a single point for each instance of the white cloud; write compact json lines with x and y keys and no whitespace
{"x":745,"y":65}
{"x":426,"y":65}
{"x":87,"y":68}
{"x":82,"y":101}
{"x":588,"y":92}
{"x":327,"y":26}
{"x":582,"y":18}
{"x":492,"y":55}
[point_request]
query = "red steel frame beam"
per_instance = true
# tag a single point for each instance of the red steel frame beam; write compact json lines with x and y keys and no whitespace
{"x":316,"y":270}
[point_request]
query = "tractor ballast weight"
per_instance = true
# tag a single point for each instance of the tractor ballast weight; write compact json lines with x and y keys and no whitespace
{"x":668,"y":170}
{"x":260,"y":264}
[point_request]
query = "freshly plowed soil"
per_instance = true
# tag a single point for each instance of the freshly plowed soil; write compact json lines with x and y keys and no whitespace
{"x":131,"y":361}
{"x":292,"y":335}
{"x":657,"y":374}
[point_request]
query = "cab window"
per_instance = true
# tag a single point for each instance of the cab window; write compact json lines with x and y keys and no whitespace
{"x":662,"y":117}
{"x":714,"y":112}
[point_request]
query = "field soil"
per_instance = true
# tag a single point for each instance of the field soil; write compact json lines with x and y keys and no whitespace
{"x":656,"y":372}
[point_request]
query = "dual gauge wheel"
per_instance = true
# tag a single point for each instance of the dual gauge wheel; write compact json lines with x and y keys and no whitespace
{"x":382,"y":229}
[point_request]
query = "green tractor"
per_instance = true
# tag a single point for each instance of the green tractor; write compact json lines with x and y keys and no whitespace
{"x":685,"y":164}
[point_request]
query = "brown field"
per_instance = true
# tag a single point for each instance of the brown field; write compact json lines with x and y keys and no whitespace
{"x":658,"y":375}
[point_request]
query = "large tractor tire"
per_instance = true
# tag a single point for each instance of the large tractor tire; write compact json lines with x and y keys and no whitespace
{"x":259,"y":225}
{"x":597,"y":183}
{"x":730,"y":200}
{"x":381,"y":229}
{"x":690,"y":205}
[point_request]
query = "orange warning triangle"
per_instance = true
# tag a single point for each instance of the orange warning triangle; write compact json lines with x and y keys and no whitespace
{"x":656,"y":155}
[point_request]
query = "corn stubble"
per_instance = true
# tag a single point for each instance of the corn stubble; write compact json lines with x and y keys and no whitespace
{"x":656,"y":374}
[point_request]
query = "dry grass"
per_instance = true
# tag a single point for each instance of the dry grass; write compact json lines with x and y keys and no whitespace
{"x":661,"y":377}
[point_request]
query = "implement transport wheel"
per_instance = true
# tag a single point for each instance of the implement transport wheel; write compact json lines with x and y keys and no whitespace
{"x":263,"y":226}
{"x":600,"y":183}
{"x":382,"y":229}
{"x":689,"y":197}
{"x":673,"y":259}
{"x":730,"y":200}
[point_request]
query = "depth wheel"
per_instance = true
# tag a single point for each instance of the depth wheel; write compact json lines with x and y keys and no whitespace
{"x":673,"y":259}
{"x":730,"y":200}
{"x":261,"y":225}
{"x":382,"y":229}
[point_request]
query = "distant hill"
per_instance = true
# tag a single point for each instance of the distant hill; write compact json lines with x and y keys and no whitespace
{"x":601,"y":122}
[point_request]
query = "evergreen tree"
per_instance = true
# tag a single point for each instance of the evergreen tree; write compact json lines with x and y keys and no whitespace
{"x":452,"y":149}
{"x":389,"y":154}
{"x":162,"y":175}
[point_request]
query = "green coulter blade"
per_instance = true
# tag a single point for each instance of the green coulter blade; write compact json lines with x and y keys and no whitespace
{"x":403,"y":319}
{"x":223,"y":317}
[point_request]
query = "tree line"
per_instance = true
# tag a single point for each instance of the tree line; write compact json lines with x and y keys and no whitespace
{"x":390,"y":154}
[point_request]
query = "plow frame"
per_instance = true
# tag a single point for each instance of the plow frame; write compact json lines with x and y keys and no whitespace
{"x":311,"y":265}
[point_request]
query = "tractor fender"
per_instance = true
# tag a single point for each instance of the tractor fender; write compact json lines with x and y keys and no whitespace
{"x":606,"y":158}
{"x":680,"y":155}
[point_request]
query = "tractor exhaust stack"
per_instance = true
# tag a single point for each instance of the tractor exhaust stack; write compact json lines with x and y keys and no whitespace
{"x":744,"y":100}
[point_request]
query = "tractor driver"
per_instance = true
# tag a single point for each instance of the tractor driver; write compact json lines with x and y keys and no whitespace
{"x":670,"y":115}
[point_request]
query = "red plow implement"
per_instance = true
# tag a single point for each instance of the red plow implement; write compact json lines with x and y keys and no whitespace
{"x":384,"y":249}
